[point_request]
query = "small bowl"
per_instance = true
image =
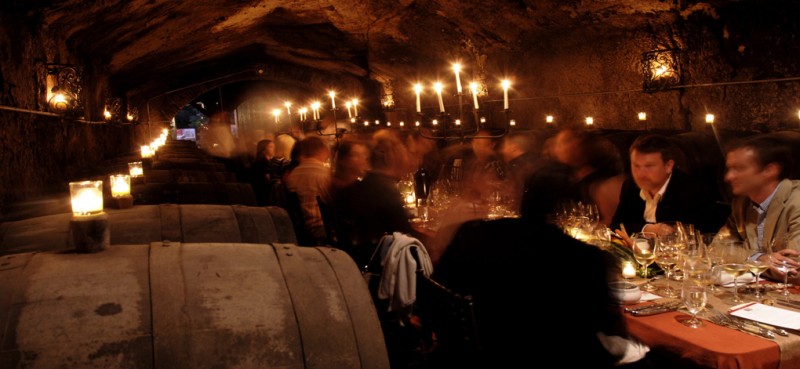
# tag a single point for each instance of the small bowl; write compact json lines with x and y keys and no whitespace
{"x":625,"y":292}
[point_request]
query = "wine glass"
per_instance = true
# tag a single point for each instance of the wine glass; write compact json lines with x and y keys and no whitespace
{"x":715,"y":257}
{"x":782,"y":266}
{"x":694,"y":297}
{"x":734,"y":256}
{"x":757,"y":267}
{"x":666,"y":258}
{"x":643,"y":252}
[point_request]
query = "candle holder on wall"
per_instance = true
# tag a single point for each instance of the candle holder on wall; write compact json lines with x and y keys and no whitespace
{"x":661,"y":69}
{"x":62,"y":89}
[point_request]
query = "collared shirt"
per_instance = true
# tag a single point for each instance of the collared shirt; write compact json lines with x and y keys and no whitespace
{"x":651,"y":202}
{"x":761,"y":210}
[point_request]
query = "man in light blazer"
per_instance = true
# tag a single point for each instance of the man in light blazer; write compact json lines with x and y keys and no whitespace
{"x":766,"y":213}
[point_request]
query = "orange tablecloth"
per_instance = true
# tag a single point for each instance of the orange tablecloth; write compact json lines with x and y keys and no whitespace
{"x":711,"y":345}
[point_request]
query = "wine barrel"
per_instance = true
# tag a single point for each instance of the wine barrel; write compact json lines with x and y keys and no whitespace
{"x":195,"y":305}
{"x":151,"y":223}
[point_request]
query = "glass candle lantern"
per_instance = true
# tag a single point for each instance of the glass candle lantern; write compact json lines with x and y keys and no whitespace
{"x":87,"y":197}
{"x":147,"y":152}
{"x":120,"y":185}
{"x":135,"y":169}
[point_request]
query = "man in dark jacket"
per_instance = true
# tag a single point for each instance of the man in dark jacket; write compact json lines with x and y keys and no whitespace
{"x":658,"y":192}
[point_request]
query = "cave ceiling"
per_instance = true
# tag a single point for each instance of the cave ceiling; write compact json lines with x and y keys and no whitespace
{"x":150,"y":46}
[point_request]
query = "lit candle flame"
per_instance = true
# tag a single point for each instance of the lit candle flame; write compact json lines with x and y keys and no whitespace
{"x":709,"y":118}
{"x":642,"y":116}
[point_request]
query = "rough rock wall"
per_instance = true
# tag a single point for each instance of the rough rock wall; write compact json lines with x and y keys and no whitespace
{"x":41,"y":154}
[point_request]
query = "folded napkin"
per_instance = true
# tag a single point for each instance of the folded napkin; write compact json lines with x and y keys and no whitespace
{"x":726,"y":280}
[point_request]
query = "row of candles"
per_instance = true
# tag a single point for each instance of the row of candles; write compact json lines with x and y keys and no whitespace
{"x":87,"y":196}
{"x":148,"y":151}
{"x":351,"y":105}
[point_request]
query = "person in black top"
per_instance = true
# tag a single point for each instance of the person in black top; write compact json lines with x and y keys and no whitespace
{"x":537,"y":292}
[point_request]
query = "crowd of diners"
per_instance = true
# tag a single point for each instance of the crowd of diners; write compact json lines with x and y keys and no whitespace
{"x":525,"y":274}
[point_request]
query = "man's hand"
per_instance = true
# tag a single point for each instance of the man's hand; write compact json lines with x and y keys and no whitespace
{"x":623,"y":235}
{"x":787,"y":256}
{"x":659,"y":229}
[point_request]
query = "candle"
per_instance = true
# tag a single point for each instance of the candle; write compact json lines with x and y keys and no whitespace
{"x":402,"y":123}
{"x":135,"y":169}
{"x":457,"y":69}
{"x":458,"y":122}
{"x":435,"y":122}
{"x":628,"y":271}
{"x":277,"y":114}
{"x":642,"y":116}
{"x":147,"y":152}
{"x":349,"y":111}
{"x":288,"y":106}
{"x":315,"y":109}
{"x":589,"y":121}
{"x":512,"y":122}
{"x":549,"y":119}
{"x":120,"y":185}
{"x":410,"y":198}
{"x":302,"y":112}
{"x":483,"y":119}
{"x":506,"y":84}
{"x":333,"y":100}
{"x":416,"y":124}
{"x":87,"y":197}
{"x":474,"y":88}
{"x":710,"y":118}
{"x":418,"y":90}
{"x":438,"y":88}
{"x":366,"y":123}
{"x":355,"y":107}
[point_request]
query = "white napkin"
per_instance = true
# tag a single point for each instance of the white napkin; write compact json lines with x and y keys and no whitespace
{"x":726,"y":280}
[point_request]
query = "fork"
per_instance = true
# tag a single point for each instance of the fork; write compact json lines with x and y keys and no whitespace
{"x":725,"y":321}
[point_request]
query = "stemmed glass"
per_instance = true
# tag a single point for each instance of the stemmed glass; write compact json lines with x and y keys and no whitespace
{"x":734,"y":257}
{"x":694,"y":297}
{"x":716,"y":257}
{"x":666,"y":257}
{"x":643,"y":252}
{"x":782,"y":266}
{"x":757,"y":267}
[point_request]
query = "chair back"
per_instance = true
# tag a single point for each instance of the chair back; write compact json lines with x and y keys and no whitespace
{"x":450,"y":315}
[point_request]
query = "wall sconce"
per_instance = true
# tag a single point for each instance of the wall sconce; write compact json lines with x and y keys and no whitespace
{"x":661,"y":69}
{"x":387,"y":101}
{"x":133,"y":115}
{"x":112,"y":109}
{"x":62,"y":88}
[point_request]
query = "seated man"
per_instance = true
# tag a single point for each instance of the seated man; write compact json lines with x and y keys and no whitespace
{"x":767,"y":210}
{"x":508,"y":266}
{"x":659,"y":192}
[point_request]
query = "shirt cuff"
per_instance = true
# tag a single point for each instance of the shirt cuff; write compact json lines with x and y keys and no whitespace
{"x":755,"y":256}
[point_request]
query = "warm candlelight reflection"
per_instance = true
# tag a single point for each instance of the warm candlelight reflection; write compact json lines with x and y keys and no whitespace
{"x":709,"y":118}
{"x":135,"y":169}
{"x":87,"y":197}
{"x":120,"y":185}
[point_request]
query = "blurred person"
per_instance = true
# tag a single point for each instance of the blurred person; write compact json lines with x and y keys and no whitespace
{"x":283,"y":146}
{"x":264,"y":169}
{"x":311,"y":178}
{"x":351,"y":164}
{"x":659,"y":192}
{"x":491,"y":260}
{"x":372,"y":207}
{"x":518,"y":151}
{"x":766,"y":211}
{"x":596,"y":166}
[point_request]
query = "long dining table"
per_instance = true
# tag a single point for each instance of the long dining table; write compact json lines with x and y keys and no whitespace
{"x":716,"y":346}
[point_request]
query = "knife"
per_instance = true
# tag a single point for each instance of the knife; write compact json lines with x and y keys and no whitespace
{"x":792,"y":304}
{"x":659,"y":310}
